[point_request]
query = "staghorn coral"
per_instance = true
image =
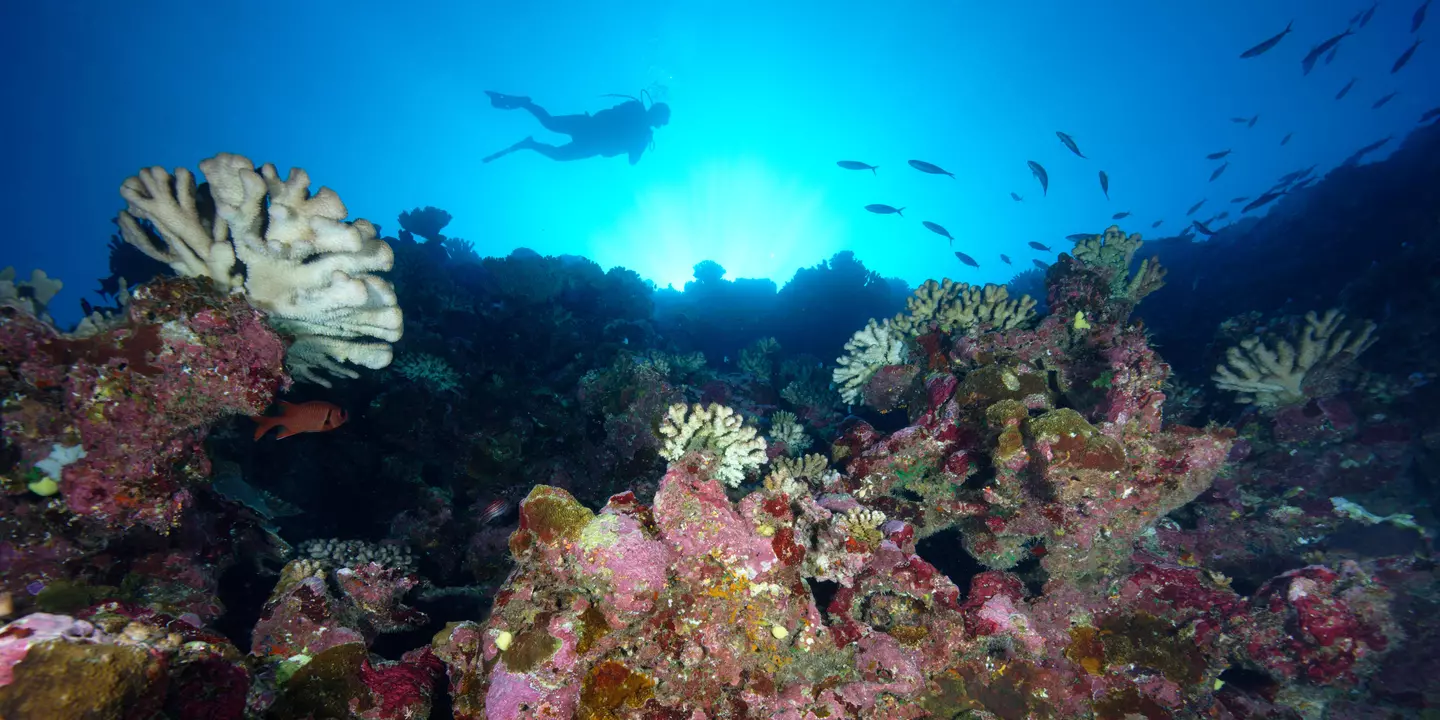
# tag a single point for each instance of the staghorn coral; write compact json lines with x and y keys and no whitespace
{"x":871,"y":348}
{"x":787,"y":429}
{"x":959,"y":307}
{"x":303,"y":264}
{"x":717,"y":430}
{"x":1116,"y":251}
{"x":1277,"y":372}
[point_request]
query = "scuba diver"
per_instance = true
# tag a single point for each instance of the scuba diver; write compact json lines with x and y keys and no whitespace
{"x":623,"y":129}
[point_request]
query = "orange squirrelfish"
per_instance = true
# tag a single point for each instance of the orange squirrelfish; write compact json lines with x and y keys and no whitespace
{"x":313,"y":416}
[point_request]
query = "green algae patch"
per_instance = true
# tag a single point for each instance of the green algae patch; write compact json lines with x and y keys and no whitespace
{"x":599,"y":533}
{"x":1075,"y":443}
{"x":323,"y":687}
{"x":612,"y":691}
{"x":60,"y":680}
{"x":1137,"y":639}
{"x":528,"y":649}
{"x":549,"y":516}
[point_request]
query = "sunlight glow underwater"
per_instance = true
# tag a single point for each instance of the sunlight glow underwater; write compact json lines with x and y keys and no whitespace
{"x":745,"y":214}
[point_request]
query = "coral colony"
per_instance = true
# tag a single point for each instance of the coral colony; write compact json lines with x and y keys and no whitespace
{"x":559,"y":502}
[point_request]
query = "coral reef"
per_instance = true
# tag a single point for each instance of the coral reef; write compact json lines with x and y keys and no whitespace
{"x":871,"y":348}
{"x":298,"y":259}
{"x":717,"y":432}
{"x":1284,"y":371}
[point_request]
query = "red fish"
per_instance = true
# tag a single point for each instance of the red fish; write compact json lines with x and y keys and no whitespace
{"x":313,"y":416}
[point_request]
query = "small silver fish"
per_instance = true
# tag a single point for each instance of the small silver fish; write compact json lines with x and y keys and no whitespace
{"x":1041,"y":175}
{"x":962,"y":257}
{"x":1252,"y":122}
{"x":1240,"y":199}
{"x":1308,"y":63}
{"x":1120,"y":215}
{"x":1419,"y":18}
{"x":1218,"y":155}
{"x":1069,"y":143}
{"x":1383,"y":99}
{"x":1263,"y":200}
{"x":1365,"y":19}
{"x":857,"y":165}
{"x":1105,"y":184}
{"x":1404,"y":58}
{"x":1193,"y":208}
{"x":1016,"y":198}
{"x":880,"y":209}
{"x":1201,"y":227}
{"x":1286,"y":139}
{"x":1430,"y":114}
{"x":938,"y":230}
{"x":1038,"y":246}
{"x":1218,"y":171}
{"x":1223,"y":214}
{"x":1077,"y":237}
{"x":1157,"y":223}
{"x":1267,"y":44}
{"x":1005,"y":259}
{"x":1041,"y":264}
{"x":930,"y":168}
{"x":1346,"y":89}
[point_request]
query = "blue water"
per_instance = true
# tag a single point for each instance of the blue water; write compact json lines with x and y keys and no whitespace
{"x":383,"y":102}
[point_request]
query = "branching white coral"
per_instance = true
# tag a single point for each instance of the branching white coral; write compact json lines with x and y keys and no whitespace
{"x":871,"y":348}
{"x":1275,"y":374}
{"x":786,"y":428}
{"x":797,"y":476}
{"x":862,"y":524}
{"x":294,"y":256}
{"x":959,"y":307}
{"x":717,"y":430}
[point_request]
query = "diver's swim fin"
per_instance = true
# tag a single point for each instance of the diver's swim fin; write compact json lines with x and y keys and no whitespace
{"x":506,"y":102}
{"x":517,"y":146}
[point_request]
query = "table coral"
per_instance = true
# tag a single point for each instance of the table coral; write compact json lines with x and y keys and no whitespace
{"x":298,"y":259}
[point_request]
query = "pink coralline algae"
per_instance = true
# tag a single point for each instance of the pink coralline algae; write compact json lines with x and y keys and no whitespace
{"x":137,"y":399}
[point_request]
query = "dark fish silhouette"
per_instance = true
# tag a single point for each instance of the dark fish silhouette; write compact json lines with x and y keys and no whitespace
{"x":1266,"y":45}
{"x":1157,"y":223}
{"x":1356,"y":156}
{"x":1005,"y":259}
{"x":1419,"y":19}
{"x":1291,"y":177}
{"x":1077,"y":237}
{"x":1217,"y":155}
{"x":1120,"y":215}
{"x":1038,"y":246}
{"x":1223,"y":214}
{"x":1239,"y":120}
{"x":1304,"y":183}
{"x":1263,"y":200}
{"x":930,"y":168}
{"x":1219,"y":170}
{"x":1330,"y":56}
{"x":1041,"y":264}
{"x":1240,"y":199}
{"x":1201,"y":227}
{"x":1193,"y":208}
{"x":1383,"y":99}
{"x":962,"y":257}
{"x":1430,"y":114}
{"x":1105,"y":184}
{"x":1286,"y":139}
{"x":1041,"y":175}
{"x":1069,"y":143}
{"x":879,"y":209}
{"x":1252,"y":122}
{"x":1356,"y":19}
{"x":1308,"y":63}
{"x":1404,"y":58}
{"x":1365,"y":19}
{"x":1016,"y":198}
{"x":938,"y":230}
{"x":857,"y":165}
{"x":1346,"y":89}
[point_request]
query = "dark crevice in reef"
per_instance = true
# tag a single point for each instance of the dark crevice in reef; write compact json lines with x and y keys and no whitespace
{"x":946,"y":551}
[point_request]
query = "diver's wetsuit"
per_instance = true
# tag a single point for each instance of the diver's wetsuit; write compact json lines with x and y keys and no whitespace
{"x":623,"y":129}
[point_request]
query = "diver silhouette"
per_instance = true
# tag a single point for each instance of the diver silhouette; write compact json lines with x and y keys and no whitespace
{"x":623,"y":129}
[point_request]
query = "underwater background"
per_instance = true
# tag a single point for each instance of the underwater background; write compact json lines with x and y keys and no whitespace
{"x":934,"y":360}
